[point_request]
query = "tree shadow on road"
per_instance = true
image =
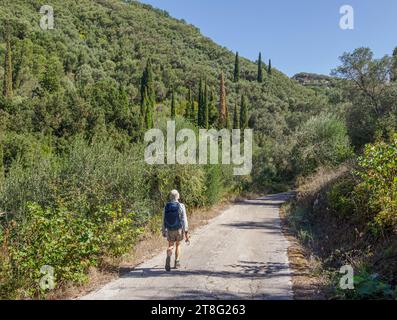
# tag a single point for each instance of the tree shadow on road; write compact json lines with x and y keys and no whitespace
{"x":225,"y":295}
{"x":271,"y":201}
{"x":268,"y":226}
{"x":243,"y":270}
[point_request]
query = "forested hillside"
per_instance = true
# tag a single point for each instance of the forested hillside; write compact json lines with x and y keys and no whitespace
{"x":85,"y":74}
{"x":76,"y":100}
{"x":74,"y":187}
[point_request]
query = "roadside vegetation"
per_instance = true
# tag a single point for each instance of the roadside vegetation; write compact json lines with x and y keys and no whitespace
{"x":75,"y":191}
{"x":348,"y":215}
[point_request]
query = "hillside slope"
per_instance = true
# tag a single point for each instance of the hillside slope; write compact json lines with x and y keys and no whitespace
{"x":75,"y":191}
{"x":96,"y":40}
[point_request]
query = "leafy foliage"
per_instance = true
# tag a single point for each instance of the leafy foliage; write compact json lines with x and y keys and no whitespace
{"x":321,"y":141}
{"x":371,"y":94}
{"x":368,"y":286}
{"x":378,"y":171}
{"x":64,"y":240}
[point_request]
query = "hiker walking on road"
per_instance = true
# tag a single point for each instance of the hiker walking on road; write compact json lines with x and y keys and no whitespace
{"x":174,"y":228}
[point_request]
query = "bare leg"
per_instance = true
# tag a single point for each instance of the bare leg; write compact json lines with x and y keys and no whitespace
{"x":169,"y":255}
{"x":177,"y":254}
{"x":170,"y":248}
{"x":177,"y":251}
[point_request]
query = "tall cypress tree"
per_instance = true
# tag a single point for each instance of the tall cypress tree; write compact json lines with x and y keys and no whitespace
{"x":205,"y":107}
{"x":228,"y":123}
{"x":394,"y":66}
{"x":243,"y":114}
{"x":223,"y":113}
{"x":269,"y":67}
{"x":260,"y":68}
{"x":1,"y":161}
{"x":148,"y":115}
{"x":236,"y":120}
{"x":187,"y":108}
{"x":212,"y":110}
{"x":7,"y":89}
{"x":173,"y":106}
{"x":147,"y":96}
{"x":192,"y":109}
{"x":237,"y":68}
{"x":200,"y":105}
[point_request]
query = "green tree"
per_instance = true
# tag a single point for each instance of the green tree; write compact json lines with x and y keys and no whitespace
{"x":192,"y":113}
{"x":243,"y":113}
{"x":367,"y":75}
{"x":237,"y":68}
{"x":205,"y":107}
{"x":148,"y":115}
{"x":269,"y":67}
{"x":7,"y":89}
{"x":369,"y":91}
{"x":187,"y":106}
{"x":212,"y":110}
{"x":51,"y":80}
{"x":236,"y":118}
{"x":260,"y":68}
{"x":223,"y":112}
{"x":147,"y":96}
{"x":110,"y":100}
{"x":173,"y":106}
{"x":1,"y":161}
{"x":228,"y":122}
{"x":394,"y":66}
{"x":200,"y":105}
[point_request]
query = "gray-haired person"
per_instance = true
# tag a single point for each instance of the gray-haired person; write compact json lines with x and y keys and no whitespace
{"x":175,"y":228}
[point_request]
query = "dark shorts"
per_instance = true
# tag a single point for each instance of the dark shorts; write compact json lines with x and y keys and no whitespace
{"x":175,"y":235}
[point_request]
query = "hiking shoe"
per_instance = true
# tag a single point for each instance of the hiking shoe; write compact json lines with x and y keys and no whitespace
{"x":177,"y":264}
{"x":168,"y":264}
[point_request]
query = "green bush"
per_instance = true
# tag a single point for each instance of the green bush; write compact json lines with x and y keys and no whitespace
{"x":367,"y":286}
{"x":213,"y":184}
{"x":64,"y":240}
{"x":378,"y":171}
{"x":321,"y":141}
{"x":341,"y":197}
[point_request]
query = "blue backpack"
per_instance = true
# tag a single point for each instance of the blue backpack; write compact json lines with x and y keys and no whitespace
{"x":172,"y":218}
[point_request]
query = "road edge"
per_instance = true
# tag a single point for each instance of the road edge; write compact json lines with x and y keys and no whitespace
{"x":305,"y":282}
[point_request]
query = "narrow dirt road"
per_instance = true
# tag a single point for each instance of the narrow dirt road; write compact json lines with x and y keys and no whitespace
{"x":241,"y":254}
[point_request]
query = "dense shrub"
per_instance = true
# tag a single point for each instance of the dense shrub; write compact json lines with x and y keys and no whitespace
{"x":369,"y":286}
{"x":340,"y":197}
{"x":67,"y":241}
{"x":378,"y":171}
{"x":321,"y":141}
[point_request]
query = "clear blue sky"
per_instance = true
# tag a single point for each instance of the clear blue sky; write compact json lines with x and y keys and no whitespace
{"x":298,"y":35}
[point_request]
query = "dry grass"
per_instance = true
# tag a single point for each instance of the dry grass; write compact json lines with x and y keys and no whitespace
{"x":322,"y":177}
{"x":308,"y":280}
{"x":307,"y":284}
